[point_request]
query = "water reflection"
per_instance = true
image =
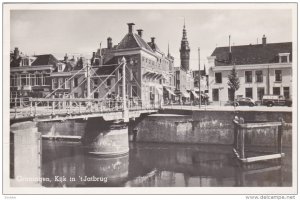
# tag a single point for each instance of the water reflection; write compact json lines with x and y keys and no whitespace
{"x":159,"y":165}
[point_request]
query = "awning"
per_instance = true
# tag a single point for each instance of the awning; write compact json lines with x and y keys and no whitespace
{"x":185,"y":94}
{"x":195,"y":95}
{"x":170,"y":91}
{"x":159,"y":90}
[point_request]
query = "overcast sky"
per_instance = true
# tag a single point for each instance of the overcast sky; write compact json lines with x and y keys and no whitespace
{"x":81,"y":31}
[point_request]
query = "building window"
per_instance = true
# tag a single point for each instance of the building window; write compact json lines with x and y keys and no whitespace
{"x":120,"y":91}
{"x":260,"y":92}
{"x":75,"y":82}
{"x":278,"y":75}
{"x":60,"y":82}
{"x":96,"y":95}
{"x":25,"y":62}
{"x":215,"y":94}
{"x":134,"y":91}
{"x":33,"y":79}
{"x":59,"y":67}
{"x":95,"y":82}
{"x":218,"y":77}
{"x":286,"y":92}
{"x":67,"y":83}
{"x":133,"y":75}
{"x":120,"y":73}
{"x":13,"y":80}
{"x":108,"y":82}
{"x":40,"y":79}
{"x":284,"y":59}
{"x":276,"y":90}
{"x":23,"y":79}
{"x":248,"y":76}
{"x":249,"y":93}
{"x":97,"y":61}
{"x":259,"y":76}
{"x":54,"y":83}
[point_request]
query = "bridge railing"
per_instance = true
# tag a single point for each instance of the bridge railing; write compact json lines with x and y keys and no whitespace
{"x":63,"y":106}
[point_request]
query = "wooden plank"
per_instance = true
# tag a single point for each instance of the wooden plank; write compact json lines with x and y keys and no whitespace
{"x":63,"y":137}
{"x":265,"y":157}
{"x":259,"y":125}
{"x":263,"y":170}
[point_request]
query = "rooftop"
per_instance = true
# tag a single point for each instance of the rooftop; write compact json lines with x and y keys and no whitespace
{"x":252,"y":54}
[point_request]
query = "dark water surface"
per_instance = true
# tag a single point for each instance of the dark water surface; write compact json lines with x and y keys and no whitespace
{"x":66,"y":164}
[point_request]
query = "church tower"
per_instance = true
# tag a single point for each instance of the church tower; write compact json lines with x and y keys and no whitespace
{"x":184,"y":51}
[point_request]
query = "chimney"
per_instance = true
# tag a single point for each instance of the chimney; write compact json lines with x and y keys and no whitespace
{"x":153,"y":40}
{"x":140,"y":32}
{"x":109,"y":43}
{"x":264,"y":40}
{"x":130,"y":27}
{"x":66,"y":57}
{"x":229,"y":45}
{"x":229,"y":54}
{"x":16,"y":53}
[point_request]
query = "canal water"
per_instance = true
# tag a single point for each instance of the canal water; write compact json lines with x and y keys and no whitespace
{"x":149,"y":163}
{"x":65,"y":164}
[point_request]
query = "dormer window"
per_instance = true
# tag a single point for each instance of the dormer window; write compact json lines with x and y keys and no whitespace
{"x":284,"y":57}
{"x":60,"y":68}
{"x":25,"y":62}
{"x":97,"y":61}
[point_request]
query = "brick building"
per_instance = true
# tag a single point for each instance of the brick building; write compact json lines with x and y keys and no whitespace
{"x":148,"y":68}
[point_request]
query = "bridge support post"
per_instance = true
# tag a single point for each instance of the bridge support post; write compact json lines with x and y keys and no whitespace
{"x":125,"y":109}
{"x":25,"y":160}
{"x":106,"y":138}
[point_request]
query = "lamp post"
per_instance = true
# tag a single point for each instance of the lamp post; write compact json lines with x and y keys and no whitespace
{"x":199,"y":79}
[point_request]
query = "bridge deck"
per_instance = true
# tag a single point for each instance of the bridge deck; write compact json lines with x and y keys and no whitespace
{"x":62,"y":109}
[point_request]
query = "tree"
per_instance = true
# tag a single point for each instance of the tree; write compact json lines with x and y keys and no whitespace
{"x":233,"y":82}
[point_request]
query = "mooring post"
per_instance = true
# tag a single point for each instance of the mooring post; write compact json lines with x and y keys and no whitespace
{"x":241,"y":132}
{"x":279,"y":137}
{"x":235,"y":132}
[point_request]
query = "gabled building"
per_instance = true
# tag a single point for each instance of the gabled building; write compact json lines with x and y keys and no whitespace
{"x":264,"y":68}
{"x":30,"y":75}
{"x":148,"y":68}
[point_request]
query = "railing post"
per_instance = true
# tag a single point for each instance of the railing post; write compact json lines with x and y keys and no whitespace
{"x":15,"y":112}
{"x":80,"y":107}
{"x":16,"y":102}
{"x":53,"y":107}
{"x":35,"y":108}
{"x":31,"y":108}
{"x":68,"y":107}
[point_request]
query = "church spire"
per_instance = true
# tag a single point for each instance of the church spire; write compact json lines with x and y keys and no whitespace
{"x":184,"y":36}
{"x":184,"y":50}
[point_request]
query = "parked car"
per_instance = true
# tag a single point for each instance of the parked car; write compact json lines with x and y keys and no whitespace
{"x":244,"y":101}
{"x":276,"y":100}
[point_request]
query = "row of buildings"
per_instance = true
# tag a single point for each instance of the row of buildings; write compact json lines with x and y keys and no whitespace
{"x":150,"y":73}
